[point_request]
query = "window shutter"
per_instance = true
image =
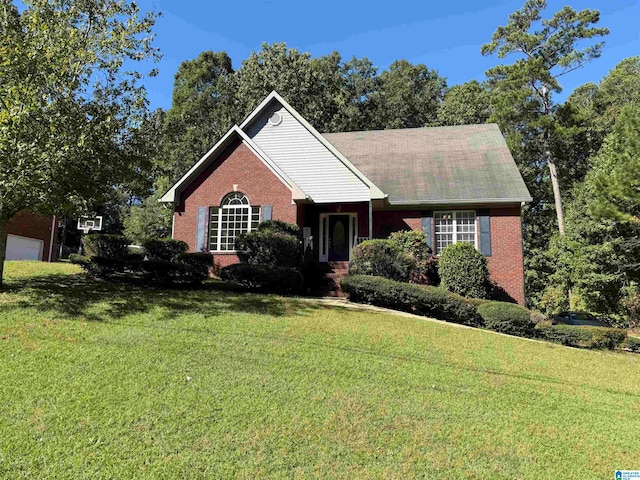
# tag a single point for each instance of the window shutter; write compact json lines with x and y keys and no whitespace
{"x":484,"y":220}
{"x":427,"y":228}
{"x":214,"y":213}
{"x":201,"y":229}
{"x":267,"y":210}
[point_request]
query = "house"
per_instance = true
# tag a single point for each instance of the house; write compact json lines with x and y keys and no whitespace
{"x":31,"y":237}
{"x":457,"y":184}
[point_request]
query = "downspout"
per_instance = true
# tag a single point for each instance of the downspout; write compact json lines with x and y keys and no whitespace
{"x":370,"y":219}
{"x":53,"y":230}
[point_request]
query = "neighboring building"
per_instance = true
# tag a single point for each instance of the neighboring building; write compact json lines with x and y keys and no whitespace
{"x":457,"y":184}
{"x":31,"y":237}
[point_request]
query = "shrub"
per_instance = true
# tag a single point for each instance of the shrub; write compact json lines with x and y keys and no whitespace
{"x":463,"y":270}
{"x":263,"y":278}
{"x":161,"y":272}
{"x":414,"y":244}
{"x":421,"y":300}
{"x":278,"y":226}
{"x":165,"y":249}
{"x":269,"y":248}
{"x":632,"y":344}
{"x":582,"y":336}
{"x":107,"y":246}
{"x":507,"y":318}
{"x":77,"y":259}
{"x":381,"y":258}
{"x":200,"y":262}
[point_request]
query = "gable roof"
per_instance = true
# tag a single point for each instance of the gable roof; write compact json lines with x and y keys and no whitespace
{"x":318,"y":150}
{"x":437,"y":165}
{"x":235,"y":132}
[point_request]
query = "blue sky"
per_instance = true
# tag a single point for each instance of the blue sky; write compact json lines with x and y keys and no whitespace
{"x":446,"y":36}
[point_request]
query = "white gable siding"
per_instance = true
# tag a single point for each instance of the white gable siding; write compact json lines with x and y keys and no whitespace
{"x":306,"y":161}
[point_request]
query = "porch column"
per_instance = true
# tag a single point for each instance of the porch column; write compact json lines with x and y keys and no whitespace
{"x":370,"y":219}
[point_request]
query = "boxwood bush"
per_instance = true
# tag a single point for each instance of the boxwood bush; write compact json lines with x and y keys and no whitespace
{"x":104,"y":245}
{"x":278,"y":226}
{"x":269,"y":247}
{"x":506,"y":318}
{"x":414,"y":244}
{"x":165,"y":249}
{"x":582,"y":336}
{"x":263,"y":278}
{"x":421,"y":300}
{"x":382,"y":258}
{"x":463,"y":270}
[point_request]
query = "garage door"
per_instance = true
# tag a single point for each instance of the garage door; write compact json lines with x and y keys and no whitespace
{"x":24,"y":248}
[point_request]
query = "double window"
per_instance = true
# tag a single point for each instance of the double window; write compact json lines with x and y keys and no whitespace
{"x":234,"y":216}
{"x":454,"y":227}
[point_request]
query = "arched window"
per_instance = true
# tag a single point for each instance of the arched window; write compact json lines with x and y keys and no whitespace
{"x":234,"y":216}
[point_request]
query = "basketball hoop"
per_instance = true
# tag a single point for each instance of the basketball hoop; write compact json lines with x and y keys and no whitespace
{"x":87,"y":224}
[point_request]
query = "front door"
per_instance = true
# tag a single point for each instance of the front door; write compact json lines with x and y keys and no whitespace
{"x":339,"y":235}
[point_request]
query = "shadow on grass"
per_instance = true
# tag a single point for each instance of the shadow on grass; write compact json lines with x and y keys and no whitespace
{"x":96,"y":300}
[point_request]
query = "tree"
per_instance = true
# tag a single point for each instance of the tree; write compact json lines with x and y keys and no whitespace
{"x":199,"y":114}
{"x":408,"y":96}
{"x":524,"y":89}
{"x":465,"y":104}
{"x":616,"y":178}
{"x":68,"y":107}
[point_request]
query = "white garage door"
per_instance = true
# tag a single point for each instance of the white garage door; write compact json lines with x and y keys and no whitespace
{"x":24,"y":248}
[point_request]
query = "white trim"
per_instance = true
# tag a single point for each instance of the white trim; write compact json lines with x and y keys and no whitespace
{"x":454,"y":232}
{"x":323,"y":244}
{"x":53,"y":229}
{"x":172,"y":195}
{"x":375,"y":192}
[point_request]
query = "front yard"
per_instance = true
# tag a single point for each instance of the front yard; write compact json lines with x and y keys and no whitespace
{"x":112,"y":381}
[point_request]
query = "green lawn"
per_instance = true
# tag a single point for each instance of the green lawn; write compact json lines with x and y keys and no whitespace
{"x":112,"y":381}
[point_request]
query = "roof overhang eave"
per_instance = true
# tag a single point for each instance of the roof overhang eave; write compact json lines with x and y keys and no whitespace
{"x":462,"y":201}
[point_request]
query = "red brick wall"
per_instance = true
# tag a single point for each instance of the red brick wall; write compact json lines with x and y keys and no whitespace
{"x":27,"y":224}
{"x":505,"y":263}
{"x":236,"y":165}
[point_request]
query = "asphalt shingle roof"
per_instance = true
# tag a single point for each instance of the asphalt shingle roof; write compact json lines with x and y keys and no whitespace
{"x":458,"y":164}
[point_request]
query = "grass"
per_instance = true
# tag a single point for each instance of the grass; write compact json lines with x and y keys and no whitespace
{"x":110,"y":381}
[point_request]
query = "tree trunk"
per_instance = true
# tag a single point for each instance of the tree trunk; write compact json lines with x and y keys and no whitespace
{"x":3,"y":247}
{"x":556,"y":194}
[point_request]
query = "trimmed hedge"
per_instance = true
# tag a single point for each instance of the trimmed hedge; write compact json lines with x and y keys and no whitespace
{"x":421,"y":300}
{"x":269,"y":248}
{"x":263,"y":278}
{"x":583,"y":336}
{"x":278,"y":226}
{"x":506,"y":318}
{"x":382,"y":258}
{"x":632,"y":344}
{"x":104,"y":245}
{"x":78,"y":259}
{"x":463,"y":270}
{"x":188,"y":269}
{"x":165,"y":249}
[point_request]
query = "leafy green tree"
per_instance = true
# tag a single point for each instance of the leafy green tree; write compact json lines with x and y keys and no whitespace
{"x":545,"y":49}
{"x":616,"y":178}
{"x":465,"y":104}
{"x":68,"y":107}
{"x":199,"y":114}
{"x":359,"y":79}
{"x":147,"y":220}
{"x":620,"y":87}
{"x":408,"y":96}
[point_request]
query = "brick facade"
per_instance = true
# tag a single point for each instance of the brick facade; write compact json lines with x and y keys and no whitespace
{"x":238,"y":166}
{"x":27,"y":224}
{"x":505,"y":264}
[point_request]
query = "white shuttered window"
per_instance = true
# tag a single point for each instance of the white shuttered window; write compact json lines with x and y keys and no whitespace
{"x":234,"y":216}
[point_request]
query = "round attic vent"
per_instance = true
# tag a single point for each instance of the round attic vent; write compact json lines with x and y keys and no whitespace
{"x":275,"y":119}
